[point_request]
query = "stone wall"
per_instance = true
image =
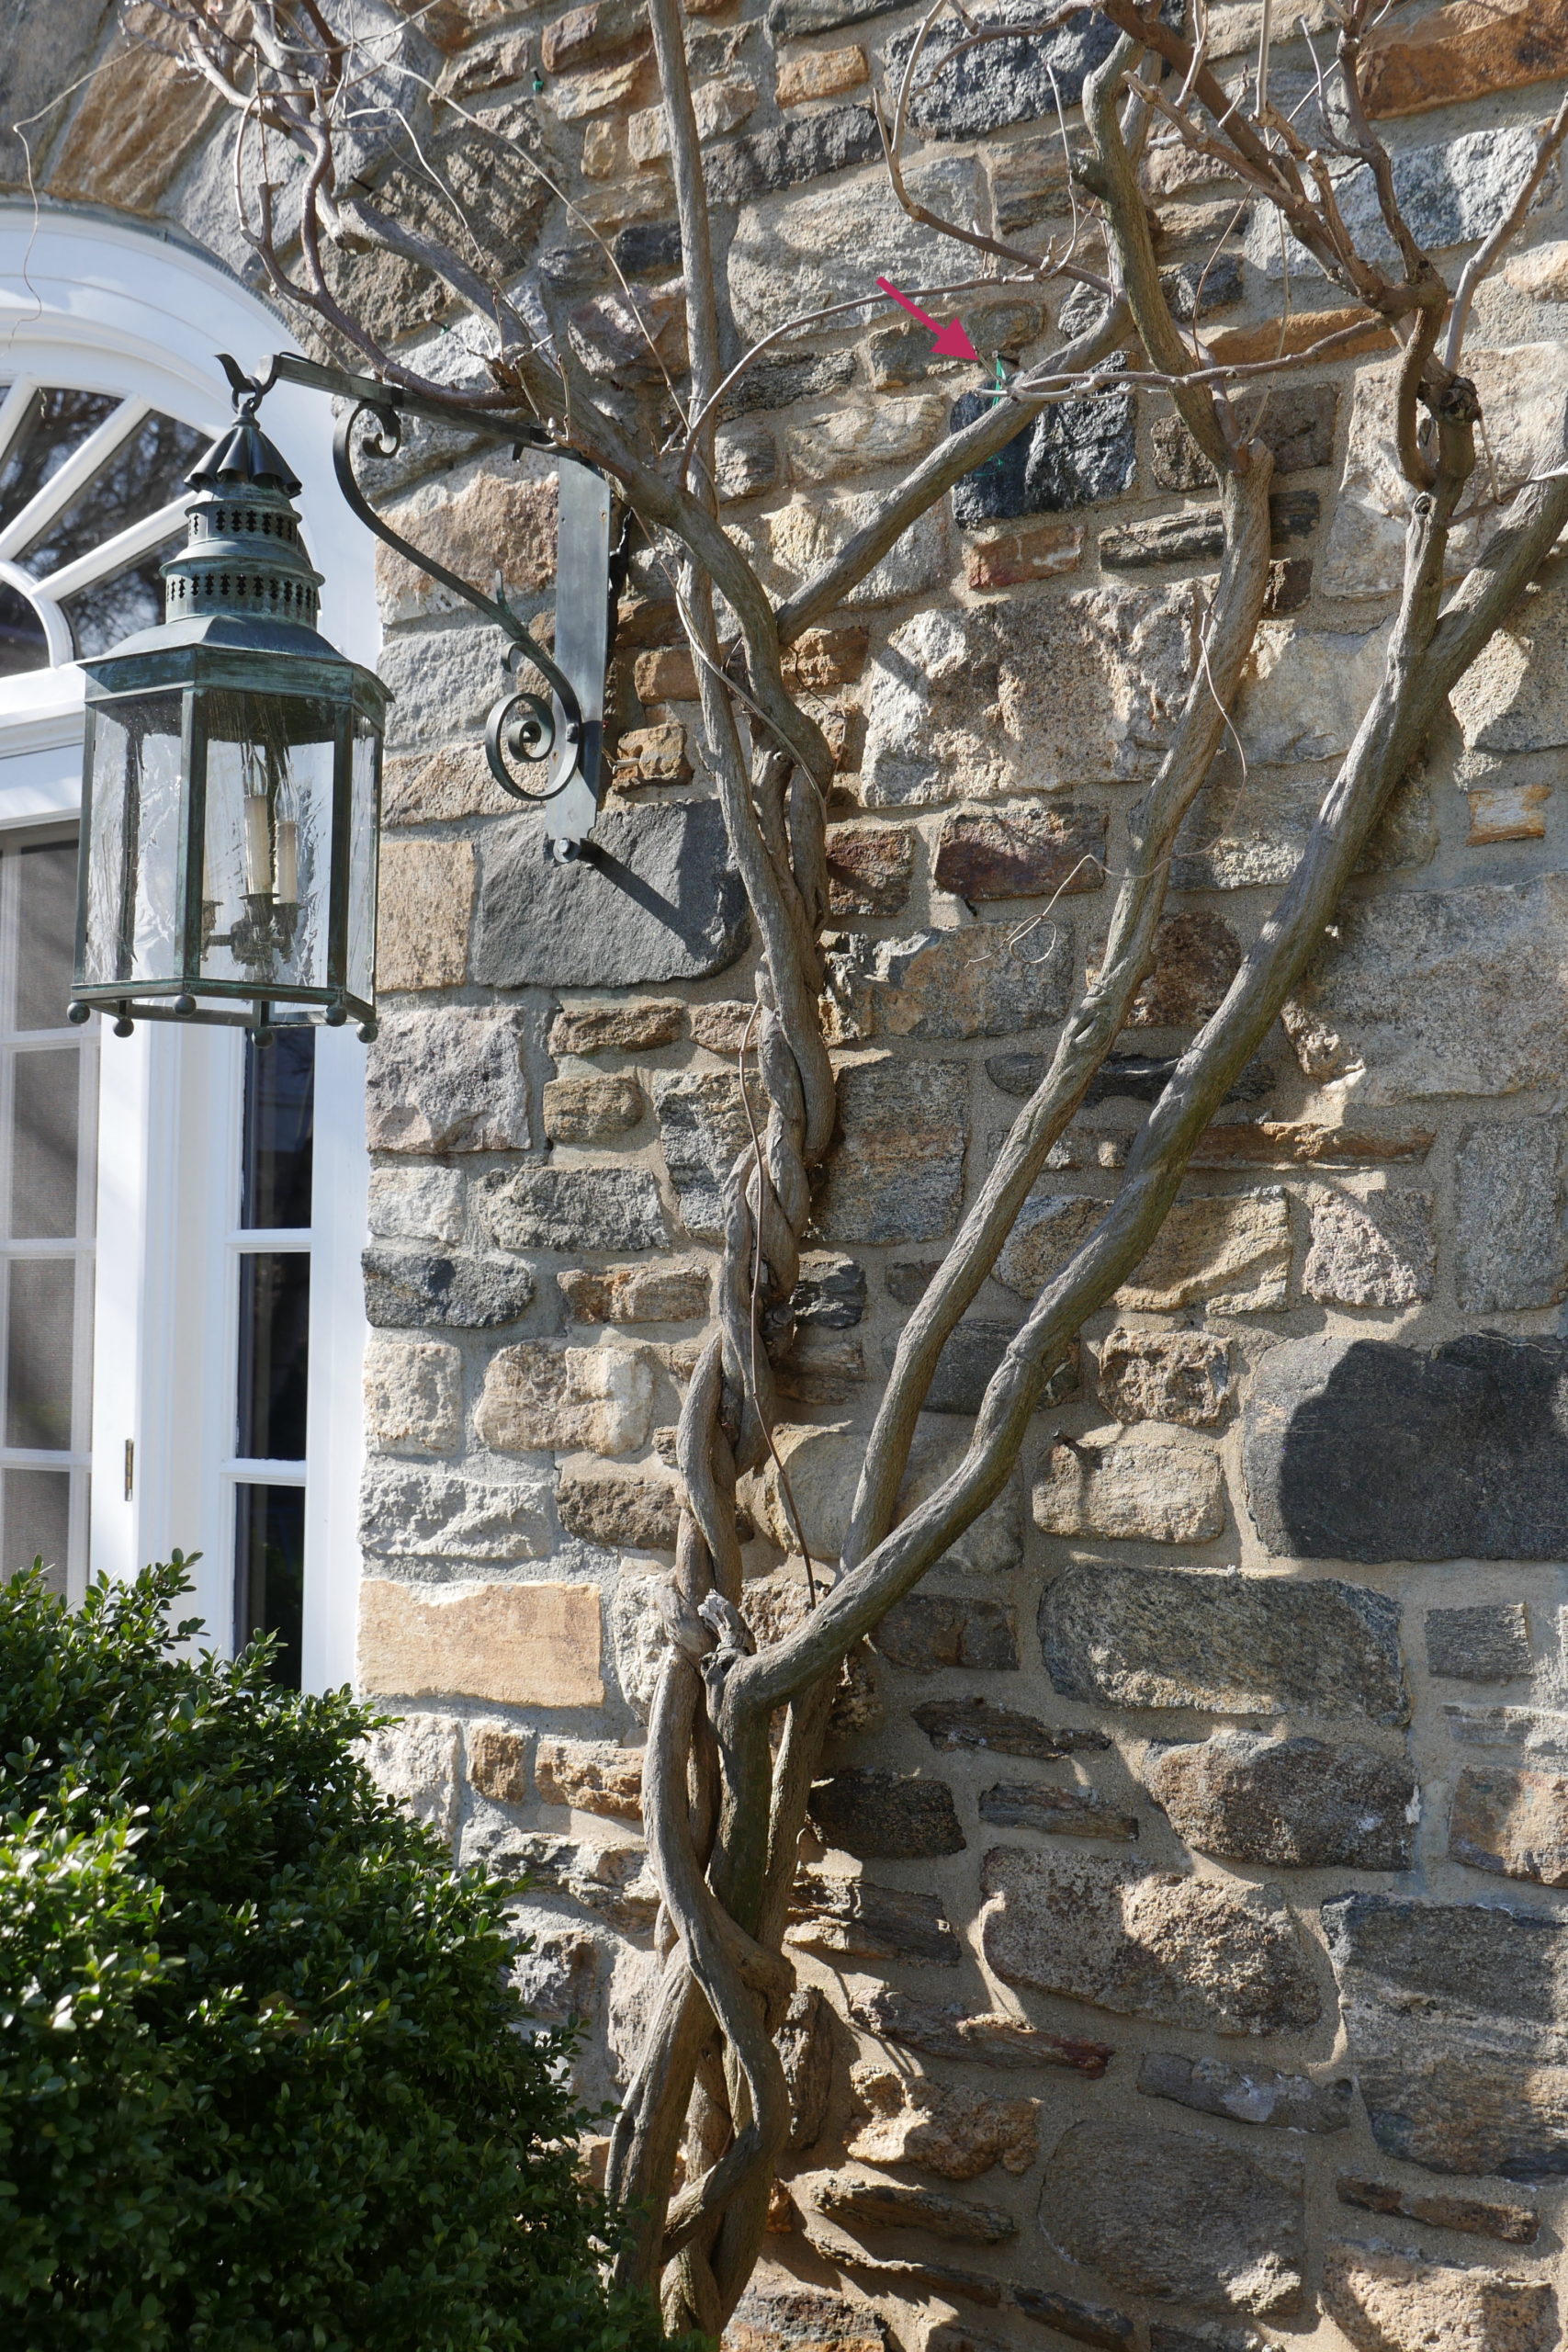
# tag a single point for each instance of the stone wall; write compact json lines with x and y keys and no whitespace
{"x":1181,"y":1957}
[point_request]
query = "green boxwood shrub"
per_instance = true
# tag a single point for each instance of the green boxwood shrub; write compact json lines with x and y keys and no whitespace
{"x":261,"y":2081}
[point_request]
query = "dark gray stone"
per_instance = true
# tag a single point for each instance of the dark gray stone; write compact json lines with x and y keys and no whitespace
{"x":967,"y":1361}
{"x":1490,"y":1643}
{"x":779,"y":383}
{"x":884,"y":1814}
{"x":954,"y":1724}
{"x":798,"y":20}
{"x":1139,"y":1077}
{"x":851,"y":1915}
{"x":928,"y":1630}
{"x":1196,"y":289}
{"x":1297,"y":425}
{"x":1296,"y":1801}
{"x":1361,"y":1449}
{"x":1213,"y":1638}
{"x":1059,"y":1812}
{"x":803,"y":148}
{"x":411,"y":1290}
{"x":830,"y":1292}
{"x":1085,"y":2322}
{"x":1456,"y":2015}
{"x":745,"y":461}
{"x":656,"y":900}
{"x":1167,"y":2336}
{"x":648,"y":249}
{"x":1199,"y":533}
{"x":897,"y":2205}
{"x":702,"y":1128}
{"x":1074,"y":454}
{"x":1246,"y":2094}
{"x":1004,"y":81}
{"x":571,"y":1208}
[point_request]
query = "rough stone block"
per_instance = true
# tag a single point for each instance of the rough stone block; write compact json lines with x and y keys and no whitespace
{"x":425,"y":1290}
{"x":803,"y":253}
{"x":634,"y":1026}
{"x":415,"y":1760}
{"x":1451,"y":193}
{"x":1197,"y":955}
{"x":1216,"y":1639}
{"x":942,"y":984}
{"x":661,"y":900}
{"x":969,"y":1357}
{"x":539,"y":1397}
{"x":1074,"y":453}
{"x":584,"y":35}
{"x":442,"y":682}
{"x":1202,"y":1954}
{"x":1153,"y":1490}
{"x":613,"y":1879}
{"x":412,"y":1513}
{"x":470,"y":525}
{"x":498,"y":1761}
{"x":593,"y":1110}
{"x":871,"y":1813}
{"x":414,"y":1397}
{"x":448,"y":1080}
{"x":652,"y":755}
{"x":1005,"y":81}
{"x":1247,"y":2094}
{"x":830,"y":1292}
{"x":819,"y":73}
{"x":1374,"y":1248}
{"x":896,"y":2205}
{"x":703,"y":1128}
{"x":897,"y":1173}
{"x":1541,"y":274}
{"x":1361,"y":1449}
{"x":1057,"y":1812}
{"x":745,"y":461}
{"x":559,"y":1980}
{"x":1487,"y":1642}
{"x":425,"y":901}
{"x":946,"y":2029}
{"x":571,"y":1208}
{"x":1467,"y":49}
{"x":852,"y":1917}
{"x":776,"y":383}
{"x":1229,"y":1252}
{"x":1024,"y":853}
{"x":1185,"y":2218}
{"x":614,"y":1510}
{"x":958,"y":2133}
{"x":926,"y":1631}
{"x":848,"y":440}
{"x":1512,"y":1241}
{"x":990,"y":1545}
{"x":1396,"y":2303}
{"x":1296,"y":423}
{"x":1296,"y":1801}
{"x":728,"y":1027}
{"x":1515,"y":1823}
{"x":1515,"y":2224}
{"x":515,"y":1644}
{"x":996,"y":559}
{"x":805,"y":2319}
{"x":953,"y":1725}
{"x":1182,"y":1376}
{"x":1514,"y":812}
{"x":416,"y":1204}
{"x":590,"y":1775}
{"x":672,"y":1291}
{"x":796,"y":540}
{"x":819,"y":660}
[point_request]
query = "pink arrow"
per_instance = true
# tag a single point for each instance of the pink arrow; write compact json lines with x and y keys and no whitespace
{"x":952,"y":343}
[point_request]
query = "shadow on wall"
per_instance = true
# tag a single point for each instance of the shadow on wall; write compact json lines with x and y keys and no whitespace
{"x":1363,"y":1449}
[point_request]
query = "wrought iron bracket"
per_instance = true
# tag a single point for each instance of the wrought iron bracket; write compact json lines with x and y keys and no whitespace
{"x":561,"y":729}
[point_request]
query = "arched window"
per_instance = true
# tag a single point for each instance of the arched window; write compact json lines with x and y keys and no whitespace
{"x":181,"y":1215}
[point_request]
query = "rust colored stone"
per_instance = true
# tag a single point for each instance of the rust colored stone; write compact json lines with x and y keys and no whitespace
{"x":653,"y":755}
{"x":604,"y":1508}
{"x":1038,"y":854}
{"x":666,"y":673}
{"x":869,"y":868}
{"x":1466,"y":50}
{"x":1514,"y":1822}
{"x":820,"y":659}
{"x":1265,"y":340}
{"x":821,"y":73}
{"x":1008,"y":558}
{"x":1197,"y":955}
{"x":1509,"y":813}
{"x":672,"y":1291}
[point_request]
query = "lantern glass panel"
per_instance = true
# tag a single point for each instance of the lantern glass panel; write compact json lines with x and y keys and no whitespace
{"x":133,"y":840}
{"x":267,"y":859}
{"x":364,"y":810}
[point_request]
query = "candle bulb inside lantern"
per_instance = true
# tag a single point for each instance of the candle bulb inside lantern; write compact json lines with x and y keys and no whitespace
{"x":288,"y":861}
{"x":258,"y":845}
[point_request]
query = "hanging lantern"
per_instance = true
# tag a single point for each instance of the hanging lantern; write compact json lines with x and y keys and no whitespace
{"x":231,"y":781}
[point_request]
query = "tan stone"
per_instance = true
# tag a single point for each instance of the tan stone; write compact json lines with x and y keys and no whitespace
{"x":498,"y":1762}
{"x":1466,"y":50}
{"x":486,"y":522}
{"x":424,"y":905}
{"x":608,"y":1508}
{"x":142,"y":113}
{"x":421,"y":789}
{"x":1541,"y":274}
{"x":515,"y":1644}
{"x":1513,"y":1822}
{"x":1514,"y":812}
{"x":605,"y":155}
{"x":665,"y":674}
{"x":452,"y":24}
{"x":958,"y":2133}
{"x":821,"y":1466}
{"x":413,"y":1395}
{"x":843,"y":440}
{"x":652,"y":755}
{"x":671,"y":1291}
{"x":819,"y":73}
{"x":592,"y":1776}
{"x":1282,"y":1143}
{"x":633,"y":1027}
{"x":1231,"y":1252}
{"x":820,"y":659}
{"x":538,"y":1398}
{"x":1269,"y":340}
{"x":725,"y":1028}
{"x":1181,"y":1376}
{"x":1028,"y":551}
{"x":601,"y":90}
{"x":1376,"y":1248}
{"x":591,"y":1110}
{"x":1156,"y":1488}
{"x":719,"y":106}
{"x":869,"y":869}
{"x":1390,"y":2303}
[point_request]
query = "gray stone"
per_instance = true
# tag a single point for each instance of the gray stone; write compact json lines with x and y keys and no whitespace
{"x":1361,"y":1449}
{"x":795,"y":254}
{"x":956,"y":1723}
{"x":802,"y":147}
{"x":1513,"y":698}
{"x":1205,"y":1955}
{"x":1148,"y":1487}
{"x":1166,"y":2336}
{"x":1532,"y":1731}
{"x":559,"y":1978}
{"x":830,"y":1293}
{"x":969,"y":1357}
{"x":898,"y":1173}
{"x":852,"y":1917}
{"x":415,"y":1290}
{"x":745,"y":462}
{"x":946,"y":2029}
{"x":1297,"y":1802}
{"x":1069,"y":2315}
{"x":613,"y":1879}
{"x":779,"y":383}
{"x":1458,"y":2023}
{"x":1514,"y":1822}
{"x":1419,"y":995}
{"x":1004,"y":81}
{"x":1216,"y":1639}
{"x":805,"y":2043}
{"x":1074,"y":453}
{"x":1451,"y":193}
{"x":1393,"y":2302}
{"x":1247,"y":2094}
{"x":1372,"y":1249}
{"x":943,"y":984}
{"x":415,"y":1759}
{"x":657,"y":900}
{"x":642,"y":1513}
{"x":702,"y":1128}
{"x":1488,"y":1643}
{"x":408,"y":1513}
{"x":804,"y":2319}
{"x":1185,"y":2218}
{"x":798,"y":19}
{"x":1296,"y":423}
{"x":958,"y":2132}
{"x":416,"y":1204}
{"x":892,"y":2205}
{"x":442,"y":682}
{"x":1512,"y":1241}
{"x":889,"y":1815}
{"x":1515,"y":2224}
{"x":1058,"y":1812}
{"x":926,"y":1631}
{"x":1181,"y":1376}
{"x":448,"y":1080}
{"x":571,"y":1208}
{"x":1197,"y":533}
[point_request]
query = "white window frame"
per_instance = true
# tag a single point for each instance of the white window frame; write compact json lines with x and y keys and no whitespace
{"x":102,"y":307}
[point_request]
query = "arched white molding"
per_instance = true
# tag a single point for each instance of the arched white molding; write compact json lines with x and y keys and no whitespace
{"x":100,"y":306}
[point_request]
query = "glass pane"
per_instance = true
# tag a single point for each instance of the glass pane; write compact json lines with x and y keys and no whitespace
{"x":38,"y":1523}
{"x":269,"y":1573}
{"x":143,"y":474}
{"x":56,"y":423}
{"x":275,"y":1315}
{"x":38,"y":1353}
{"x":362,"y":862}
{"x":101,"y":617}
{"x":268,"y":849}
{"x":280,"y":1100}
{"x":133,"y":847}
{"x":46,"y":927}
{"x":43,"y":1145}
{"x":23,"y":645}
